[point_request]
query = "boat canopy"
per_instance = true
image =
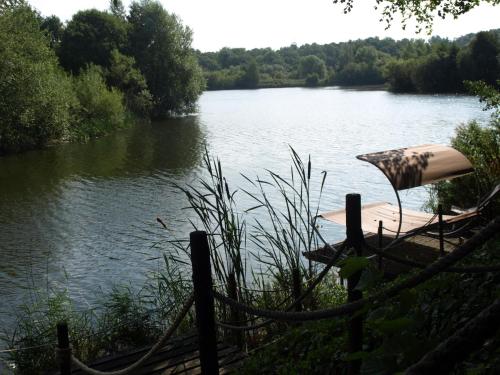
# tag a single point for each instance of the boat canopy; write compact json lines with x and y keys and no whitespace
{"x":420,"y":165}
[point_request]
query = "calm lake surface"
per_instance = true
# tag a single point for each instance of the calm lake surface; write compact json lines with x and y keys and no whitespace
{"x":83,"y":217}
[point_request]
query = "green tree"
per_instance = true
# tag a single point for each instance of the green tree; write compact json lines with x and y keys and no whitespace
{"x":250,"y":78}
{"x":161,"y":45}
{"x":117,"y":9}
{"x":36,"y":98}
{"x":53,"y":27}
{"x":310,"y":65}
{"x":11,"y":4}
{"x":89,"y":38}
{"x":123,"y":75}
{"x":438,"y":72}
{"x":485,"y":51}
{"x":100,"y":109}
{"x":423,"y":12}
{"x":399,"y":75}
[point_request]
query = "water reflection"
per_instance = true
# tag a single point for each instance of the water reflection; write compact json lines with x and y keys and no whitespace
{"x":87,"y":211}
{"x":173,"y":145}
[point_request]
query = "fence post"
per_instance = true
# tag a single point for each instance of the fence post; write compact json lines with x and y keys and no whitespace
{"x":380,"y":242}
{"x":355,"y":240}
{"x":204,"y":302}
{"x":297,"y":286}
{"x":63,"y":348}
{"x":440,"y":226}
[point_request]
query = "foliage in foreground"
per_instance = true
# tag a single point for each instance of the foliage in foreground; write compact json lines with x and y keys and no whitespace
{"x":123,"y":319}
{"x":397,"y":333}
{"x":481,"y":145}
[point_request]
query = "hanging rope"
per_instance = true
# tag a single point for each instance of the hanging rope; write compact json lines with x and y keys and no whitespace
{"x":311,"y":287}
{"x":438,"y":266}
{"x":416,"y":264}
{"x":161,"y":341}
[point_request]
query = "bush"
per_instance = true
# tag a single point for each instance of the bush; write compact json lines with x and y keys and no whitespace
{"x":36,"y":97}
{"x":123,"y":75}
{"x":100,"y":110}
{"x":481,"y":145}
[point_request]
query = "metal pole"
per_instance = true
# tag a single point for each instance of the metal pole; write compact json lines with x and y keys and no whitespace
{"x":204,"y":302}
{"x":354,"y":239}
{"x":64,"y":350}
{"x":440,"y":225}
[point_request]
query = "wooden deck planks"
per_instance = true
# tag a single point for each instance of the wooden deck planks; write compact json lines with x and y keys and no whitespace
{"x":180,"y":356}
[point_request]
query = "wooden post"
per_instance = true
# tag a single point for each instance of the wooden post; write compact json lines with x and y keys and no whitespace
{"x":355,"y":240}
{"x":204,"y":302}
{"x":232,"y":290}
{"x":380,"y":242}
{"x":440,"y":225}
{"x":64,"y":350}
{"x":297,"y":286}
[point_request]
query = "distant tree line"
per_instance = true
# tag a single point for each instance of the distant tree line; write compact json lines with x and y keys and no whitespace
{"x":434,"y":66}
{"x":93,"y":74}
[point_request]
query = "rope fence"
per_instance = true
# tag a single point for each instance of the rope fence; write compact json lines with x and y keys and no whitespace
{"x":64,"y":353}
{"x":431,"y":270}
{"x":301,"y":298}
{"x":205,"y":294}
{"x":416,"y":264}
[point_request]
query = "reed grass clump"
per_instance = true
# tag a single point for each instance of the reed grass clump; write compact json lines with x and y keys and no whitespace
{"x":256,"y":256}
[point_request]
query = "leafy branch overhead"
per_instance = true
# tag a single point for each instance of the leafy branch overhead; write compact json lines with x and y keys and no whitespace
{"x":422,"y":11}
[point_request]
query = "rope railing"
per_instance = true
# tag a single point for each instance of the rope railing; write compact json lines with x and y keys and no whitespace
{"x":301,"y":298}
{"x":64,"y":353}
{"x":416,"y":264}
{"x":431,"y":270}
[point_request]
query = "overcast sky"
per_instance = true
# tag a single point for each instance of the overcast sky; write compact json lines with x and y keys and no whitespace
{"x":278,"y":23}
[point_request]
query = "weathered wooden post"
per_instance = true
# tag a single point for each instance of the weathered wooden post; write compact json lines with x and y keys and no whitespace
{"x":63,"y":348}
{"x":440,"y":225}
{"x":204,"y":302}
{"x":232,"y":291}
{"x":380,"y":242}
{"x":355,"y":240}
{"x":297,"y":286}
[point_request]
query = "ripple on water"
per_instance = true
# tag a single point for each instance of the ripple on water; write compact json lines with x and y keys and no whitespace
{"x":83,"y":217}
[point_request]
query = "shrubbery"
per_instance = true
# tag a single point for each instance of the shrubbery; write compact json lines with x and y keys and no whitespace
{"x":36,"y":98}
{"x":100,"y":109}
{"x":41,"y":103}
{"x":481,"y":145}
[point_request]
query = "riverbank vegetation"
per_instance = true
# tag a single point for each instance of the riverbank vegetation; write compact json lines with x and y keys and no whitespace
{"x":256,"y":257}
{"x":433,"y":66}
{"x":93,"y":75}
{"x":481,"y":145}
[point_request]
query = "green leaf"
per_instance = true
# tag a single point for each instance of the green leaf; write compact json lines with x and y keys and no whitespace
{"x":370,"y":278}
{"x":356,"y":355}
{"x":352,"y":265}
{"x":394,"y":325}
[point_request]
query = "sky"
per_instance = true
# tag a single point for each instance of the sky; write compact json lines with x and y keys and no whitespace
{"x":279,"y":23}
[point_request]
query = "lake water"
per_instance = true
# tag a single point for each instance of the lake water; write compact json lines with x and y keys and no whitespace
{"x":83,"y":217}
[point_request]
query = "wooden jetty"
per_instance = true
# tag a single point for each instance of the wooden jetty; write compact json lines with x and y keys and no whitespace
{"x":179,"y":356}
{"x":419,"y":248}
